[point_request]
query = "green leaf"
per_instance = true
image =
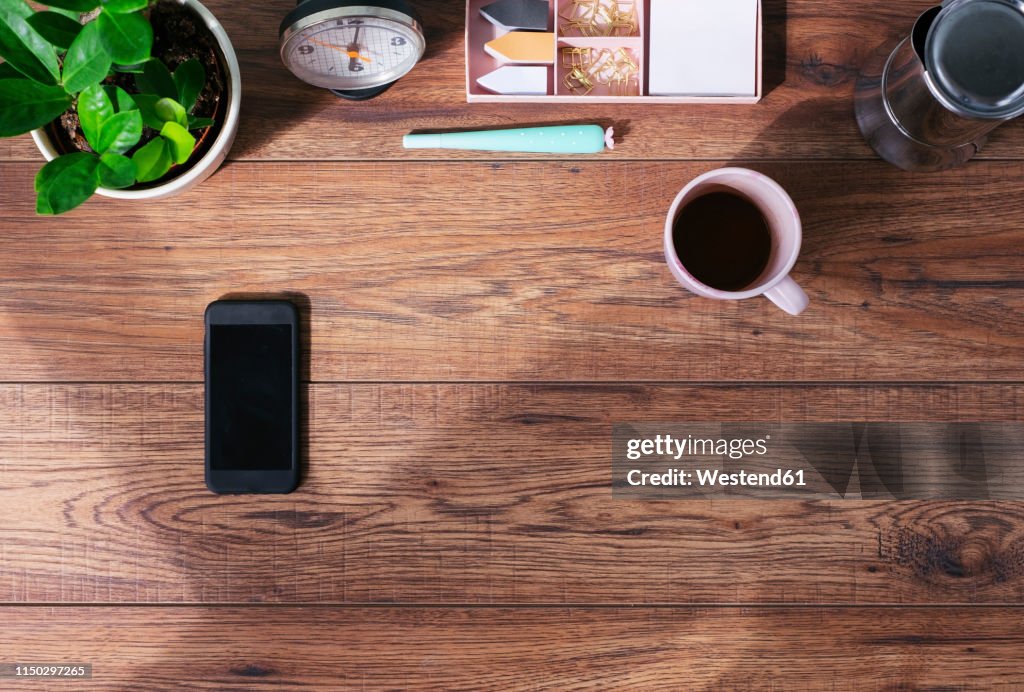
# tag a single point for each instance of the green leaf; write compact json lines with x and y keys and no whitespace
{"x":158,"y":111}
{"x":121,"y":132}
{"x":121,"y":99}
{"x":70,"y":14}
{"x":94,"y":108}
{"x":170,"y":111}
{"x":128,"y":37}
{"x":23,"y":47}
{"x":156,"y":79}
{"x":110,"y":119}
{"x":199,"y":123}
{"x":66,"y":182}
{"x":115,"y":171}
{"x":55,"y":28}
{"x":87,"y":61}
{"x":18,"y":7}
{"x":8,"y":72}
{"x":190,"y":78}
{"x":129,"y":69}
{"x":180,"y":142}
{"x":26,"y":105}
{"x":124,"y":6}
{"x":152,"y":161}
{"x":74,"y":5}
{"x":147,"y":106}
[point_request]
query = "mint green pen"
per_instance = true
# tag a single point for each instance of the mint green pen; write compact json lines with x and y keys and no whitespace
{"x":561,"y":139}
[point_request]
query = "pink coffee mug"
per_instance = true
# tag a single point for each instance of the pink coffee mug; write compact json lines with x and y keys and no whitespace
{"x":783,"y":221}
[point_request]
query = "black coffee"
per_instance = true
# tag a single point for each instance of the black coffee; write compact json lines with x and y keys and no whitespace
{"x":723,"y":240}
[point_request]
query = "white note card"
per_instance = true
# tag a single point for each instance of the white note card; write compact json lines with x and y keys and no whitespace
{"x":703,"y":47}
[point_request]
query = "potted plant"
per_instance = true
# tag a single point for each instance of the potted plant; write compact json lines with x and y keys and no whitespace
{"x":134,"y":99}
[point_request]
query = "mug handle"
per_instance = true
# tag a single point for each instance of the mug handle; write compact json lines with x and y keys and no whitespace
{"x":788,"y":295}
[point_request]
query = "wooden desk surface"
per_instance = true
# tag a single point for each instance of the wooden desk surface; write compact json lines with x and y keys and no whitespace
{"x":475,"y":326}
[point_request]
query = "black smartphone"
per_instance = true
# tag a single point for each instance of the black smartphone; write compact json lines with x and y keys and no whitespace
{"x":252,"y":396}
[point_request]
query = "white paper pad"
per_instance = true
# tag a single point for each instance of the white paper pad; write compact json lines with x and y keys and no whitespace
{"x":519,"y":81}
{"x":703,"y":47}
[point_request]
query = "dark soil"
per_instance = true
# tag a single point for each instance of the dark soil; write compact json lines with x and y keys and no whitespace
{"x":178,"y":35}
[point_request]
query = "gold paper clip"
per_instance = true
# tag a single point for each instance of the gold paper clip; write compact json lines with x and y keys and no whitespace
{"x":577,"y":80}
{"x":576,"y":57}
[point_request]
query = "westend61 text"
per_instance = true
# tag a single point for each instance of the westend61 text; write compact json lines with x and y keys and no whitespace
{"x":781,"y":478}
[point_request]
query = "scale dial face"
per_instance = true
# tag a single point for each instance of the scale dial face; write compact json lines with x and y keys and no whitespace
{"x":352,"y":47}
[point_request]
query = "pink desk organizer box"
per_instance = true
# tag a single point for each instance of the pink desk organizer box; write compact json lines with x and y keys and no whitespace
{"x":478,"y":62}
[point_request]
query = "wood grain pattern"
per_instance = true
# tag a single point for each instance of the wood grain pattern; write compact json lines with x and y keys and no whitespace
{"x":468,"y":272}
{"x":470,"y":495}
{"x":263,"y":648}
{"x":813,"y":48}
{"x":476,"y":325}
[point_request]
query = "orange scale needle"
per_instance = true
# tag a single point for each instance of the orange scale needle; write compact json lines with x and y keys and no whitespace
{"x":350,"y":53}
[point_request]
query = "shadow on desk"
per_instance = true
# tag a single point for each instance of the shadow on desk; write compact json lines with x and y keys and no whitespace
{"x":444,"y":23}
{"x":775,"y":47}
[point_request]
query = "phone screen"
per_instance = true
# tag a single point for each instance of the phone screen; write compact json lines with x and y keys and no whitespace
{"x":250,"y":396}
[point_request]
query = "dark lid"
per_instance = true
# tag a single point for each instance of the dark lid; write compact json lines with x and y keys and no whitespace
{"x":305,"y":8}
{"x":975,"y":56}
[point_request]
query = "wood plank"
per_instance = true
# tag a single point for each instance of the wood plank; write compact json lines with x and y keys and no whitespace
{"x":524,"y":272}
{"x":259,"y":648}
{"x":813,"y":48}
{"x":470,"y":495}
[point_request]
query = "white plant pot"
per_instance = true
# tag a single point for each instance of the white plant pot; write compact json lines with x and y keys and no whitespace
{"x":218,"y":151}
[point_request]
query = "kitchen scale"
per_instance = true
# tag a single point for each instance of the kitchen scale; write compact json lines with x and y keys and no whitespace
{"x":355,"y":48}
